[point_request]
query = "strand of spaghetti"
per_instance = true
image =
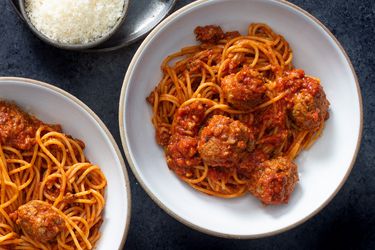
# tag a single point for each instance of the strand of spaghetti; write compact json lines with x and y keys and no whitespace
{"x":62,"y":244}
{"x":225,"y":108}
{"x":164,"y":64}
{"x":11,"y":242}
{"x":29,"y":180}
{"x":235,"y":177}
{"x":7,"y":236}
{"x":78,"y":147}
{"x":99,"y":185}
{"x":35,"y":154}
{"x":169,"y":98}
{"x":273,"y":100}
{"x":209,"y":69}
{"x":222,"y":66}
{"x":239,"y":193}
{"x":195,"y":181}
{"x":71,"y":224}
{"x":240,"y":48}
{"x":14,"y":151}
{"x":9,"y":226}
{"x":156,"y":102}
{"x":60,"y":168}
{"x":100,"y":200}
{"x":297,"y":145}
{"x":315,"y":136}
{"x":31,"y":193}
{"x":188,"y":83}
{"x":212,"y":186}
{"x":65,"y":140}
{"x":84,"y":223}
{"x":71,"y":172}
{"x":206,"y":85}
{"x":54,"y":142}
{"x":13,"y":198}
{"x":198,"y":99}
{"x":172,"y":75}
{"x":86,"y":172}
{"x":25,"y":166}
{"x":31,"y":244}
{"x":203,"y":76}
{"x":7,"y":219}
{"x":279,"y":39}
{"x":290,"y":58}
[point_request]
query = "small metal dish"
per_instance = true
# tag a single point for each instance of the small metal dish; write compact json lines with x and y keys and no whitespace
{"x":142,"y":16}
{"x":67,"y":46}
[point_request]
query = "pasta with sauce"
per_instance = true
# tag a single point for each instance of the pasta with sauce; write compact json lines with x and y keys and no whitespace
{"x":51,"y":196}
{"x":232,"y":113}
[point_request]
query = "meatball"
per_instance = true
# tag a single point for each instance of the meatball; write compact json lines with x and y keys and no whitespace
{"x":209,"y":34}
{"x":224,"y":141}
{"x":17,"y":128}
{"x":273,"y":181}
{"x":309,"y":105}
{"x":309,"y":111}
{"x":244,"y":90}
{"x":40,"y":221}
{"x":189,"y":118}
{"x":307,"y":102}
{"x":182,"y":152}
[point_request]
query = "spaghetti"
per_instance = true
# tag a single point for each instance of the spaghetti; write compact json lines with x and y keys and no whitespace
{"x":51,"y":196}
{"x":232,"y":113}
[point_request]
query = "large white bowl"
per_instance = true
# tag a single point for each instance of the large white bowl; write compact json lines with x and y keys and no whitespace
{"x":53,"y":105}
{"x":323,"y":169}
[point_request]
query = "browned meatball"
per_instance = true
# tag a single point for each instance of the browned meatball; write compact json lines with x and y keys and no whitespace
{"x":309,"y":111}
{"x":224,"y":141}
{"x":182,"y":152}
{"x":40,"y":221}
{"x":17,"y":128}
{"x":308,"y":105}
{"x":209,"y":34}
{"x":244,"y":90}
{"x":274,"y":180}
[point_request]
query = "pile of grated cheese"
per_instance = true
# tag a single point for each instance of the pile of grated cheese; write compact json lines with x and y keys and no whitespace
{"x":74,"y":21}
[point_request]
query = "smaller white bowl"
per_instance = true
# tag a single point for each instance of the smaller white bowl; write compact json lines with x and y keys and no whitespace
{"x":53,"y":105}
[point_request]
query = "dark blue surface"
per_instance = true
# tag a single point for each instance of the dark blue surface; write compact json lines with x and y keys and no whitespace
{"x":347,"y":222}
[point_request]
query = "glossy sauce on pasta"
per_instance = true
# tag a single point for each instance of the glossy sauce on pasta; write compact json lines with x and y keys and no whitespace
{"x":232,"y":113}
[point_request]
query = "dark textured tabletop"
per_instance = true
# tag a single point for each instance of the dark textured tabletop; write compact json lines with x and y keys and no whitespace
{"x":348,"y":222}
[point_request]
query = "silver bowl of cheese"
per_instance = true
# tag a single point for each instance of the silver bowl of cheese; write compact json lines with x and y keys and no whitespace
{"x":74,"y":24}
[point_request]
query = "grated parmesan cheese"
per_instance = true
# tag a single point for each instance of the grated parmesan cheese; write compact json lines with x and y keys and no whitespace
{"x":74,"y":21}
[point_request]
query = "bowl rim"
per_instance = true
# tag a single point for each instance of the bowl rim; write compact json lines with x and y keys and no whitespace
{"x":124,"y":138}
{"x":102,"y":126}
{"x":68,"y":46}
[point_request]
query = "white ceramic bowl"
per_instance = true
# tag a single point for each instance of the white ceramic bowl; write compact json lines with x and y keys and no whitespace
{"x":53,"y":105}
{"x":323,"y":169}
